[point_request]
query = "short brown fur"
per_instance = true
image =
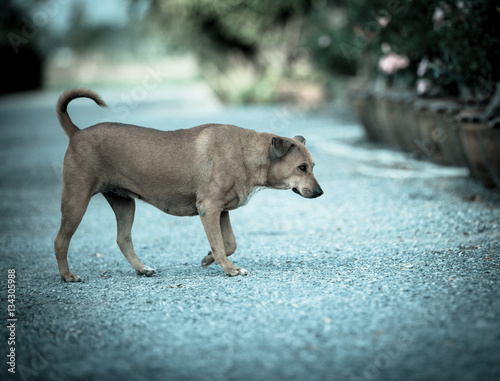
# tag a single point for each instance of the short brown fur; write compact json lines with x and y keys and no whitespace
{"x":206,"y":170}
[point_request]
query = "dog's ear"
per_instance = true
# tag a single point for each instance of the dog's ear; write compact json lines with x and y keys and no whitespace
{"x":280,"y":146}
{"x":300,"y":139}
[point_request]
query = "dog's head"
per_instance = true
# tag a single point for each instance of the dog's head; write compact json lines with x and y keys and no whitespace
{"x":292,"y":167}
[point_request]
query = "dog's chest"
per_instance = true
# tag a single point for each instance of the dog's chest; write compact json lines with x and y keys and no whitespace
{"x":244,"y":200}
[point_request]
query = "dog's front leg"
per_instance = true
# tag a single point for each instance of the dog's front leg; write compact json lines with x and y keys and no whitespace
{"x":211,"y":223}
{"x":227,"y":235}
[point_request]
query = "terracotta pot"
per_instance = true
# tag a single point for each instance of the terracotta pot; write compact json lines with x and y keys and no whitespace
{"x":446,"y":131}
{"x":474,"y":137}
{"x":409,"y":121}
{"x":384,"y":117}
{"x":429,"y":137}
{"x":371,"y":109}
{"x":489,"y":142}
{"x":403,"y":126}
{"x":364,"y":108}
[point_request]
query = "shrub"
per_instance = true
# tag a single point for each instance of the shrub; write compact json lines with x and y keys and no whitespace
{"x":453,"y":45}
{"x":243,"y":47}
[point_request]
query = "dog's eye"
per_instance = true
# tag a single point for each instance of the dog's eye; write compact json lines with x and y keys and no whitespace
{"x":303,"y":167}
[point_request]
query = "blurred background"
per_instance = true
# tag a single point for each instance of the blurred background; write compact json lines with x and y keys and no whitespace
{"x":302,"y":51}
{"x":421,"y":76}
{"x":246,"y":51}
{"x":394,"y":274}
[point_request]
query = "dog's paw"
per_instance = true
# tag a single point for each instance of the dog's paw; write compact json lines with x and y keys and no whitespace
{"x":208,"y":260}
{"x":242,"y":271}
{"x":146,"y":270}
{"x":70,"y":277}
{"x":238,"y":271}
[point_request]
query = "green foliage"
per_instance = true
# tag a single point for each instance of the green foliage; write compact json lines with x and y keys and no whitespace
{"x":459,"y":38}
{"x":324,"y":34}
{"x":244,"y":47}
{"x":467,"y":49}
{"x":83,"y":37}
{"x":228,"y":23}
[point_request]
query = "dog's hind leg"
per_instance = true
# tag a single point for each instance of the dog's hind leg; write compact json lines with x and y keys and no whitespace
{"x":227,"y":235}
{"x":74,"y":202}
{"x":124,"y":209}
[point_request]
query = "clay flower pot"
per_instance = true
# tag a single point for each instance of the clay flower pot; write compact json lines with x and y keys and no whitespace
{"x":362,"y":101}
{"x":429,"y":136}
{"x":403,"y":124}
{"x":446,"y":129}
{"x":489,"y":142}
{"x":384,"y":116}
{"x":481,"y":146}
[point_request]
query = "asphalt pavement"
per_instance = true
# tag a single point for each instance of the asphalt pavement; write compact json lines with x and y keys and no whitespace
{"x":393,"y":274}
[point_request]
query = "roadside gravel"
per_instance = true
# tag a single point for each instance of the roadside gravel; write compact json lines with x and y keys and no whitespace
{"x":381,"y":278}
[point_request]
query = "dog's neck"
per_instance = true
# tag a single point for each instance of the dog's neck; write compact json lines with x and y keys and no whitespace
{"x":259,"y":163}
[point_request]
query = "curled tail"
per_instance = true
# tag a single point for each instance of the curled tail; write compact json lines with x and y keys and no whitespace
{"x":68,"y":126}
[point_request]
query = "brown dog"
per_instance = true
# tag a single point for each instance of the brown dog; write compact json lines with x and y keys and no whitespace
{"x":206,"y":170}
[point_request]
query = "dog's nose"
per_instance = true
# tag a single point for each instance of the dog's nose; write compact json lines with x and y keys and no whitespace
{"x":318,"y":192}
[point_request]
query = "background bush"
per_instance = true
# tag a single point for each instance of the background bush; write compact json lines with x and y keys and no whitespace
{"x":245,"y":48}
{"x":456,"y":43}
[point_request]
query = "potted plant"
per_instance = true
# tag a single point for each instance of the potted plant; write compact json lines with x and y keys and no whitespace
{"x":445,"y":54}
{"x":464,"y":65}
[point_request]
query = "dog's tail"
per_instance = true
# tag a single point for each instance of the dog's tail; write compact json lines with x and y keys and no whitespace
{"x":62,"y":105}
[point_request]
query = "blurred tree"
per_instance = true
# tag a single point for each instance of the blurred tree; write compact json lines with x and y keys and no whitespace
{"x":21,"y":63}
{"x":243,"y":47}
{"x":84,"y":37}
{"x":326,"y":34}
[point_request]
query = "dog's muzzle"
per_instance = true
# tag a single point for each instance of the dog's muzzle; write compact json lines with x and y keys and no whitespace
{"x":315,"y":193}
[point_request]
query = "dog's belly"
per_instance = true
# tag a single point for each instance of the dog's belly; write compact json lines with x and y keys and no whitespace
{"x":178,"y":208}
{"x":176,"y":205}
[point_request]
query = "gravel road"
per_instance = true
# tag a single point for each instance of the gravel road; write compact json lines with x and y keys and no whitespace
{"x":393,"y":274}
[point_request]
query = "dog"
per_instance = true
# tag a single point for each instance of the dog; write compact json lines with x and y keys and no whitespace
{"x":206,"y":170}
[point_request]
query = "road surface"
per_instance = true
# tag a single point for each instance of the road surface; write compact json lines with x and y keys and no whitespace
{"x":393,"y":274}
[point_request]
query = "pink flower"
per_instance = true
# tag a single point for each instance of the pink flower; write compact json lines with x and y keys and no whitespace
{"x":391,"y":63}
